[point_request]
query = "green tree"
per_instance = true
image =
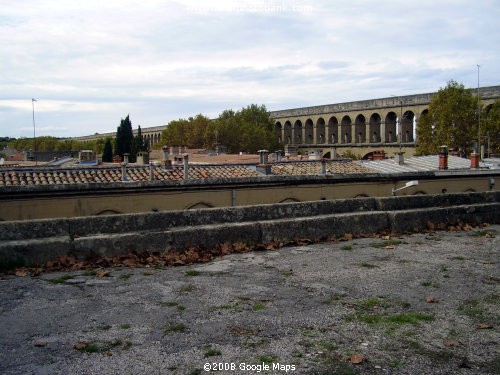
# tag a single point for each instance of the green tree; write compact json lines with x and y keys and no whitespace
{"x":124,"y":137}
{"x":490,"y":129}
{"x":139,"y":141}
{"x":107,"y":153}
{"x":451,"y":121}
{"x":248,"y":129}
{"x":176,"y":133}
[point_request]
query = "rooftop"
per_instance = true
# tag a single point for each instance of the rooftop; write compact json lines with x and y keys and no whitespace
{"x":199,"y":169}
{"x":415,"y":164}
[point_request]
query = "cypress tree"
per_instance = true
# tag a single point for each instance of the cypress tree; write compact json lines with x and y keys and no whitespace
{"x":124,"y":137}
{"x":107,"y":154}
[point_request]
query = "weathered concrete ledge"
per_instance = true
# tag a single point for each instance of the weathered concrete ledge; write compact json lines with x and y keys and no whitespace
{"x":34,"y":242}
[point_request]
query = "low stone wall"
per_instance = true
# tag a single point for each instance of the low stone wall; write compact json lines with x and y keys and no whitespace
{"x":32,"y":242}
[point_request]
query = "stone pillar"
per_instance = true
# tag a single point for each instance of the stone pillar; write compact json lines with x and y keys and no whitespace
{"x":443,"y":158}
{"x":292,"y":141}
{"x":315,"y":134}
{"x":334,"y":153}
{"x":303,"y":140}
{"x":368,"y":135}
{"x":327,"y":134}
{"x":354,"y":136}
{"x":382,"y":131}
{"x":415,"y":126}
{"x":283,"y":140}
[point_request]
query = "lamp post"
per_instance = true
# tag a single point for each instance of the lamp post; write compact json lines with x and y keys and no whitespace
{"x":34,"y":133}
{"x":478,"y":117}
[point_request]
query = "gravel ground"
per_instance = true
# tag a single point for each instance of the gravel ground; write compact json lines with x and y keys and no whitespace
{"x":420,"y":304}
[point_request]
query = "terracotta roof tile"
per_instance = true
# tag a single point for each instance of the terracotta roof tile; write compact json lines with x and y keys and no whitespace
{"x":105,"y":175}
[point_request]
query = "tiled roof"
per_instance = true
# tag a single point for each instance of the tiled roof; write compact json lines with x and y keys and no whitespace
{"x":314,"y":167}
{"x":45,"y":176}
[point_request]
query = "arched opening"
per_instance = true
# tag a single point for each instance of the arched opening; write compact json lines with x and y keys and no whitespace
{"x":108,"y":212}
{"x":320,"y":131}
{"x":278,"y":130}
{"x":407,"y":126}
{"x":309,"y":132}
{"x":289,"y":200}
{"x":345,"y":129}
{"x":333,"y":130}
{"x":297,"y":129}
{"x":360,"y":129}
{"x":390,"y":127}
{"x":375,"y":121}
{"x":288,"y":133}
{"x":199,"y":205}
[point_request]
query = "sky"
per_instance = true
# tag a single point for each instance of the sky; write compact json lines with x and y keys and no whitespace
{"x":91,"y":63}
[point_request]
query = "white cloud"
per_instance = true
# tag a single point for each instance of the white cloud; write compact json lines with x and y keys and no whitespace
{"x":92,"y":62}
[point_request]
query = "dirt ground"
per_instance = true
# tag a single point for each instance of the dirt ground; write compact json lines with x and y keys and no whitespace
{"x":421,"y":304}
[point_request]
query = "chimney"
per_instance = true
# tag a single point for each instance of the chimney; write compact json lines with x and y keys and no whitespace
{"x":263,"y":156}
{"x":125,"y":158}
{"x":165,"y":153}
{"x":124,"y":172}
{"x":278,"y":155}
{"x":151,"y":172}
{"x":323,"y":166}
{"x":400,"y":158}
{"x":474,"y":160}
{"x":185,"y":159}
{"x":443,"y":158}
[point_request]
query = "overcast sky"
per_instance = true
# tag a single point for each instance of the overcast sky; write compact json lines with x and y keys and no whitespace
{"x":89,"y":63}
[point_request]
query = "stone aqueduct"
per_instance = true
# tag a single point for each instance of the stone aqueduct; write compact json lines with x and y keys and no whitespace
{"x":359,"y":126}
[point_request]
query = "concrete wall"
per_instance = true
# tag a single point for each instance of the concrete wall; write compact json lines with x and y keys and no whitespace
{"x":32,"y":242}
{"x":37,"y":202}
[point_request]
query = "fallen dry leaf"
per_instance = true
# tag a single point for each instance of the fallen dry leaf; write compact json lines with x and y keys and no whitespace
{"x":41,"y":343}
{"x":102,"y":273}
{"x":430,"y":225}
{"x":484,"y":326}
{"x":357,"y":358}
{"x":390,"y":247}
{"x":21,"y":272}
{"x":452,"y":343}
{"x":431,"y":300}
{"x":80,"y":345}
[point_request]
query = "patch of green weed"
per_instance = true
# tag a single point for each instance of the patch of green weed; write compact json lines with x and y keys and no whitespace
{"x":60,"y":279}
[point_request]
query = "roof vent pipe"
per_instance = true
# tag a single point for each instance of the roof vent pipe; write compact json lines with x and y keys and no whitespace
{"x":185,"y":159}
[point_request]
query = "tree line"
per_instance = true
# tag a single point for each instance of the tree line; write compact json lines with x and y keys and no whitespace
{"x":246,"y":130}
